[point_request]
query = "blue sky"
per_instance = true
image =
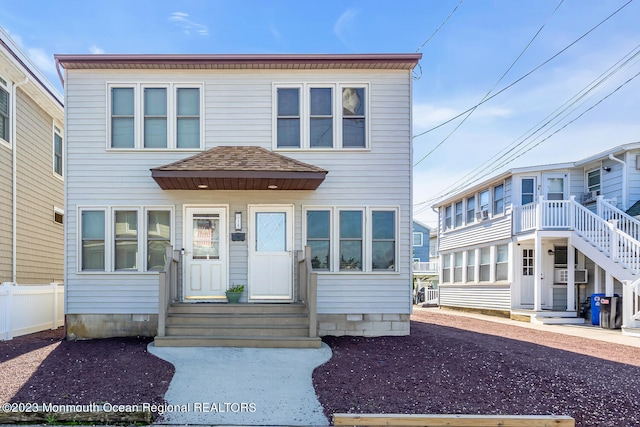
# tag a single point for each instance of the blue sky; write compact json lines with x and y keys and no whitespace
{"x":462,"y":62}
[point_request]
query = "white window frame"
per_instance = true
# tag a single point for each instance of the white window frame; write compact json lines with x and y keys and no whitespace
{"x":109,"y":236}
{"x":367,"y":237}
{"x":589,"y":189}
{"x":6,"y":86}
{"x":138,"y":115}
{"x":305,"y":114}
{"x":421,"y":236}
{"x":57,"y":131}
{"x":114,"y":238}
{"x":58,"y":211}
{"x":494,"y":200}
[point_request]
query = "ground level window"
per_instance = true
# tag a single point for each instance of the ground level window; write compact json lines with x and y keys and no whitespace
{"x":93,"y":242}
{"x":485,"y":265}
{"x":383,"y":246}
{"x":158,"y":239}
{"x":471,"y":265}
{"x":318,"y":238}
{"x":502,"y":262}
{"x":126,"y":240}
{"x":350,"y":240}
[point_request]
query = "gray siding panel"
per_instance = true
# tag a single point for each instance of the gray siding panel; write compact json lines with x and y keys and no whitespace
{"x":238,"y":111}
{"x":488,"y":297}
{"x":482,"y":233}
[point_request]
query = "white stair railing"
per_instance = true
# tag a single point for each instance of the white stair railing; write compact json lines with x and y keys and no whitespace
{"x":626,"y":223}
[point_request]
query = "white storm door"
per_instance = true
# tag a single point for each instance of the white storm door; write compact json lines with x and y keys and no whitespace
{"x":270,"y":253}
{"x":555,"y":186}
{"x":555,"y":212}
{"x":205,"y":261}
{"x":527,"y":279}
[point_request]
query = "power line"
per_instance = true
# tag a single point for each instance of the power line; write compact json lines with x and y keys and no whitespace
{"x":526,"y":75}
{"x":494,"y":86}
{"x":441,"y":25}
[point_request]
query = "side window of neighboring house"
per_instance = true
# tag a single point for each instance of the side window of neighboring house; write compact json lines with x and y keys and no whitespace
{"x":593,"y":180}
{"x":528,"y":191}
{"x":457,"y":267}
{"x":308,"y":116}
{"x":502,"y":262}
{"x":471,"y":265}
{"x":319,"y":238}
{"x":57,"y":150}
{"x":5,"y":104}
{"x":485,"y":264}
{"x":471,"y":209}
{"x":447,"y":217}
{"x":458,"y":218}
{"x":417,"y":238}
{"x":484,"y":200}
{"x":155,"y":117}
{"x":446,"y":268}
{"x":498,"y":199}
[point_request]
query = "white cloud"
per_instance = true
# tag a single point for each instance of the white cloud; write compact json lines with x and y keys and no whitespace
{"x":344,"y":25}
{"x":96,"y":50}
{"x":42,"y":60}
{"x":188,"y":26}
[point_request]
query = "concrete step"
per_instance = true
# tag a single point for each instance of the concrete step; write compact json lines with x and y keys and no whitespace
{"x":236,"y":341}
{"x":223,"y":330}
{"x":193,"y":319}
{"x":544,"y":320}
{"x":221,"y":308}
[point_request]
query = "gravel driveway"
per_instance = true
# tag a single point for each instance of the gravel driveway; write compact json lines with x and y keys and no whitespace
{"x":449,"y":364}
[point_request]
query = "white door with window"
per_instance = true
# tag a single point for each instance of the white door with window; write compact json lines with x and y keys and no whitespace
{"x":527,"y":278}
{"x":270,"y":253}
{"x":555,"y":186}
{"x":205,"y":259}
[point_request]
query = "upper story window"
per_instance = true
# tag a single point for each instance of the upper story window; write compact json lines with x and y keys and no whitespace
{"x":155,"y":116}
{"x":57,"y":150}
{"x":417,"y":238}
{"x":458,"y":219}
{"x":4,"y":110}
{"x":498,"y":199}
{"x":471,"y":209}
{"x":484,"y":200}
{"x":321,"y":116}
{"x":528,"y":190}
{"x":593,"y":180}
{"x":447,"y":217}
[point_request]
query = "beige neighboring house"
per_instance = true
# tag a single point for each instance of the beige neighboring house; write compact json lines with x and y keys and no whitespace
{"x":31,"y":171}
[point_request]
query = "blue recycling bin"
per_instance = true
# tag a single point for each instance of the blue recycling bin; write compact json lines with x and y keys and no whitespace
{"x":595,"y":308}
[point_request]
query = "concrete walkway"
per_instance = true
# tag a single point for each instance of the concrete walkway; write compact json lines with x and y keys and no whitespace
{"x":242,"y":386}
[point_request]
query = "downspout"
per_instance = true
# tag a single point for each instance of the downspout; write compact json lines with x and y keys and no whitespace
{"x":624,"y":180}
{"x":14,"y":183}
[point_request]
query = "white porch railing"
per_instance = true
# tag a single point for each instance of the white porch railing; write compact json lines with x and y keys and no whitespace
{"x":426,"y":267}
{"x":168,"y":280}
{"x":25,"y":309}
{"x":626,"y":223}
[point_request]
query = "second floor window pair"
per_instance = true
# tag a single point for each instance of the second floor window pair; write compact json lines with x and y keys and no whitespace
{"x":168,"y":117}
{"x":312,"y":117}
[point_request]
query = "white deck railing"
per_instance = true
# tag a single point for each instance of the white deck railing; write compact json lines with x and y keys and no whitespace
{"x":426,"y":267}
{"x":25,"y":309}
{"x":626,"y":223}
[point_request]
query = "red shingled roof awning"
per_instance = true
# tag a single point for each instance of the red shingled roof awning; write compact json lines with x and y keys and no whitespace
{"x":238,"y":168}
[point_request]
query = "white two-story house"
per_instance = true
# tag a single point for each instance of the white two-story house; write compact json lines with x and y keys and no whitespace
{"x":288,"y":174}
{"x":541,"y":241}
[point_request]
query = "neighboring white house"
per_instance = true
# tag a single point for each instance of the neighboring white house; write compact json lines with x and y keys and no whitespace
{"x":539,"y":241}
{"x":238,"y":162}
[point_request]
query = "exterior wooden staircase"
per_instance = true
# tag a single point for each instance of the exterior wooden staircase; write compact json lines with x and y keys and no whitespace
{"x":237,"y":325}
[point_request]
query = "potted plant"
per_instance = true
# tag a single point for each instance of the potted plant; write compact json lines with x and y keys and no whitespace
{"x":234,"y":292}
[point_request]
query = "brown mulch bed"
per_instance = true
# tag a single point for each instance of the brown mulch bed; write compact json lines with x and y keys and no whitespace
{"x":452,"y":364}
{"x":44,"y":368}
{"x":449,"y":364}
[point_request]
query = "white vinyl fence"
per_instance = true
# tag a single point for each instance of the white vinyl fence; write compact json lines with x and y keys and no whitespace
{"x":25,"y":309}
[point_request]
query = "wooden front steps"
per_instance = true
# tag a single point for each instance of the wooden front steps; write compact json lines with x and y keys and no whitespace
{"x":237,"y":325}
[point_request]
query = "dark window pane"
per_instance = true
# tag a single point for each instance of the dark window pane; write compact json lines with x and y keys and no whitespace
{"x":383,"y":224}
{"x":189,"y":102}
{"x":288,"y":132}
{"x":318,"y":224}
{"x":353,"y":101}
{"x":122,"y":132}
{"x":351,"y":255}
{"x":353,"y":133}
{"x":319,"y":254}
{"x":188,"y":132}
{"x":321,"y":132}
{"x":351,"y":224}
{"x":122,"y":101}
{"x":321,"y":101}
{"x":384,"y":254}
{"x":155,"y":102}
{"x":288,"y":102}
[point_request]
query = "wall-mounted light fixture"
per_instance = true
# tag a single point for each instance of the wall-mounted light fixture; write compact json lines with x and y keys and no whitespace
{"x":606,"y":169}
{"x":550,"y":252}
{"x":238,"y":221}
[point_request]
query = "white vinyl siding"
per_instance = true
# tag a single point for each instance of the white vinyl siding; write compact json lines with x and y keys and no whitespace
{"x":238,"y":109}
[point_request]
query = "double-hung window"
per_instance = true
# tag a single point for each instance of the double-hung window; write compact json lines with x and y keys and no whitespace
{"x":498,"y":199}
{"x":528,"y":191}
{"x":383,"y":235}
{"x":158,"y":238}
{"x":319,"y":238}
{"x":447,"y":217}
{"x":471,"y":209}
{"x":320,"y":116}
{"x":458,"y":218}
{"x":446,"y":268}
{"x":502,"y":262}
{"x":155,"y":117}
{"x":351,"y":232}
{"x":471,"y":265}
{"x":457,"y":267}
{"x":485,"y":264}
{"x":484,"y":200}
{"x":4,"y":110}
{"x":57,"y":150}
{"x":93,"y":240}
{"x":126,"y":240}
{"x":593,"y":180}
{"x":417,"y":238}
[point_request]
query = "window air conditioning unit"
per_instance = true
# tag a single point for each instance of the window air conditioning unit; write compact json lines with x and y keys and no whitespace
{"x":590,"y":196}
{"x":561,"y":275}
{"x":482,"y":215}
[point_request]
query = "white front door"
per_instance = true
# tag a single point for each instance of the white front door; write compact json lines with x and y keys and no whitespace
{"x":555,"y":186}
{"x":205,"y":261}
{"x":270,"y":253}
{"x":527,"y":279}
